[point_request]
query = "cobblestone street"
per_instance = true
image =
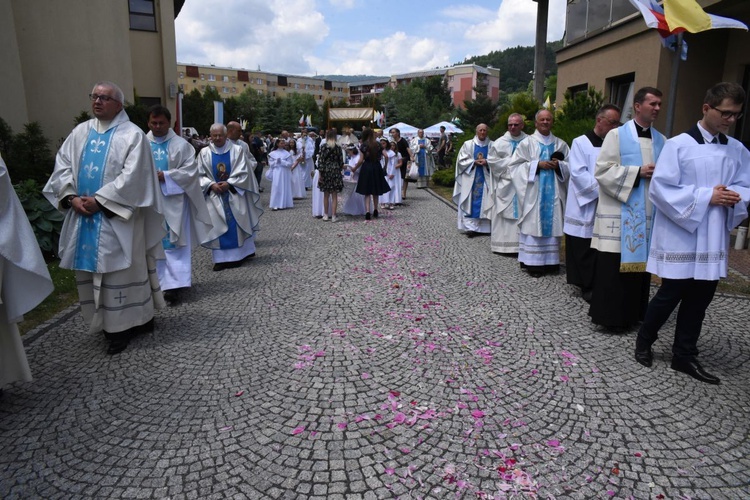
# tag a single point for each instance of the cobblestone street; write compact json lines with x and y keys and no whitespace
{"x":381,"y":359}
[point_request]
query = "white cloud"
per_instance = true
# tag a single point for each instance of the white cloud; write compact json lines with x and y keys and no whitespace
{"x":397,"y":53}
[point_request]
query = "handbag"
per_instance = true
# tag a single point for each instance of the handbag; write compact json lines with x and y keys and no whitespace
{"x":413,"y":171}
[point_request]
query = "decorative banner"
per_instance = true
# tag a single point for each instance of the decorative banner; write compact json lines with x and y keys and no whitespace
{"x":687,"y":15}
{"x":344,"y":114}
{"x":218,"y":112}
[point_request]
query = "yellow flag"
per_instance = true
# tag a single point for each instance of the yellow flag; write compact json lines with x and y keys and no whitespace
{"x":686,"y":14}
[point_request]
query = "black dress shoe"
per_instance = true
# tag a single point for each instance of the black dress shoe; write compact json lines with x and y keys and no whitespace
{"x":147,"y":327}
{"x":375,"y":213}
{"x":219,"y":266}
{"x":587,"y":295}
{"x":695,"y":370}
{"x":117,"y":346}
{"x":471,"y":234}
{"x":367,"y":216}
{"x":644,"y":356}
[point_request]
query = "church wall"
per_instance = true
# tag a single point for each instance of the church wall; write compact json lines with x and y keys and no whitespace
{"x":13,"y":96}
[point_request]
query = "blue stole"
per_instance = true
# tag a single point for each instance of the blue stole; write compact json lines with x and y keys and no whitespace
{"x":161,"y":161}
{"x":222,"y":167}
{"x":422,"y":155}
{"x":635,"y":237}
{"x":90,"y":179}
{"x":477,"y":190}
{"x":546,"y":191}
{"x":514,"y":145}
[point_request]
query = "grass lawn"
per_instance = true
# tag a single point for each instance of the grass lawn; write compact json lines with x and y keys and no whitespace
{"x":64,"y":295}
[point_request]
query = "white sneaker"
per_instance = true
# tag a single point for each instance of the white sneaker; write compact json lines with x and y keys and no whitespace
{"x":334,"y":218}
{"x":325,"y":217}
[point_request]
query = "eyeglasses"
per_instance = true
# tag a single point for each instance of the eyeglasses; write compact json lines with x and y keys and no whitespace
{"x":726,"y":115}
{"x":103,"y":98}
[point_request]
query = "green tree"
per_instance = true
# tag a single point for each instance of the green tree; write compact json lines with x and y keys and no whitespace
{"x":137,"y":112}
{"x":6,"y":139}
{"x":522,"y":103}
{"x":406,"y":103}
{"x":480,"y":110}
{"x":195,"y":113}
{"x":577,"y":114}
{"x":30,"y":156}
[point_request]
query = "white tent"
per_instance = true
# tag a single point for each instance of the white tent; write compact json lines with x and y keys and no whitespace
{"x":434,"y":130}
{"x":406,"y":130}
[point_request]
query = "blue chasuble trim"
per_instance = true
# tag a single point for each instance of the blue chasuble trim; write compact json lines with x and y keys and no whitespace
{"x":546,"y":191}
{"x":635,"y":238}
{"x":90,"y":178}
{"x":160,"y":152}
{"x":477,"y":190}
{"x":222,"y":168}
{"x":422,"y":158}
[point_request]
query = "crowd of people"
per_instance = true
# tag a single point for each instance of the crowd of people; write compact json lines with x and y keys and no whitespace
{"x":629,"y":203}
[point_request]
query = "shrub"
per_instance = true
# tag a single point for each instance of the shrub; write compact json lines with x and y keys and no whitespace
{"x":45,"y":219}
{"x":445,"y":177}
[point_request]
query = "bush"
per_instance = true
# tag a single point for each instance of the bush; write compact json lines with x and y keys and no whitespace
{"x":445,"y":177}
{"x":30,"y":156}
{"x":45,"y":219}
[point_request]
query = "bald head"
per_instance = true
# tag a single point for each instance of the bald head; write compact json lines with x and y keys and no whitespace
{"x":234,"y":131}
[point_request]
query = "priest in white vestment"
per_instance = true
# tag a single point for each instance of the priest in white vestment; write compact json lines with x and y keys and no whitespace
{"x":234,"y":207}
{"x":106,"y":185}
{"x":700,"y":188}
{"x":540,"y":174}
{"x":421,"y":148}
{"x":472,"y":190}
{"x":24,"y":281}
{"x":186,"y":216}
{"x":505,"y":211}
{"x":622,"y":224}
{"x":583,"y":193}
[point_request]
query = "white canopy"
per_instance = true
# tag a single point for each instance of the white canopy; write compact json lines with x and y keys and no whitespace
{"x":434,"y":130}
{"x":406,"y":130}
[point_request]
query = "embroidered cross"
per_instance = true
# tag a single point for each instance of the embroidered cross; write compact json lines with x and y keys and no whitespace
{"x":121,"y":297}
{"x":612,"y":227}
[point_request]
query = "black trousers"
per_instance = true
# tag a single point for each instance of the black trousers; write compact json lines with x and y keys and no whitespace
{"x":694,"y":296}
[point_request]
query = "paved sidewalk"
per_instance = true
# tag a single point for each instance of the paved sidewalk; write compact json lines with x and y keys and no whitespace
{"x":382,"y":359}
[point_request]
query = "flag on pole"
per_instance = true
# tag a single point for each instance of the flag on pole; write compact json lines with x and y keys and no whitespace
{"x":218,"y":111}
{"x":653,"y":15}
{"x":547,"y":104}
{"x":687,"y":15}
{"x":309,"y":120}
{"x":302,"y":120}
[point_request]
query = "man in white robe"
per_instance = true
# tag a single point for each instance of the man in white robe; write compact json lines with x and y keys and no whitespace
{"x":623,"y":213}
{"x":185,"y":212}
{"x":583,"y":193}
{"x":234,"y":135}
{"x":472,"y":190}
{"x":505,"y":211}
{"x":700,"y":188}
{"x":306,"y":148}
{"x":233,"y":206}
{"x":540,"y":174}
{"x":24,"y":280}
{"x":421,"y":148}
{"x":105,"y":183}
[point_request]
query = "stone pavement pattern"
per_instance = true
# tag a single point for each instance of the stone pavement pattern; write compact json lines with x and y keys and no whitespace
{"x":382,"y":359}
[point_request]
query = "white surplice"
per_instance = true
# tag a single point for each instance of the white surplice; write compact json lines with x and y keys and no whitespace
{"x":24,"y":280}
{"x":124,"y":290}
{"x":505,"y":210}
{"x":533,"y":248}
{"x":185,"y":211}
{"x":691,"y":236}
{"x":583,"y":190}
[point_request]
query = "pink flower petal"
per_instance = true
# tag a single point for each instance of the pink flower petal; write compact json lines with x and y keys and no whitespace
{"x":239,"y":393}
{"x":298,"y":430}
{"x":477,"y":414}
{"x":365,"y":375}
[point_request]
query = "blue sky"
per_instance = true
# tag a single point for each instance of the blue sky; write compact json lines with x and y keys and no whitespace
{"x":308,"y":37}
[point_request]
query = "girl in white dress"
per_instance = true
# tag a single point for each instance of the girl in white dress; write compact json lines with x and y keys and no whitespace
{"x":280,"y":163}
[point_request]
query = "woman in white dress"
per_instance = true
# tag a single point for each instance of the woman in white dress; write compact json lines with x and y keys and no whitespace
{"x":280,"y":166}
{"x":389,"y":167}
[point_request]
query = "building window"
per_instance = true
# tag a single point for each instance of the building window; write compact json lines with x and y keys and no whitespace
{"x":211,"y":77}
{"x":621,"y":92}
{"x":182,"y":74}
{"x":234,"y":79}
{"x":260,"y":92}
{"x":203,"y":76}
{"x":587,"y":17}
{"x":225,"y":78}
{"x":259,"y":81}
{"x":142,"y":15}
{"x":578,"y":89}
{"x":296,"y":85}
{"x":224,"y":90}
